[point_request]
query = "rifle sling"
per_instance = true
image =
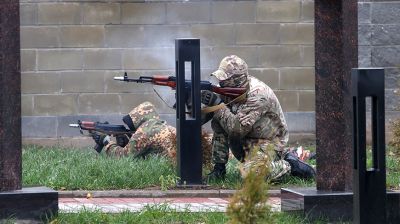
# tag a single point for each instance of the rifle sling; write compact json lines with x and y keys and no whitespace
{"x":211,"y":109}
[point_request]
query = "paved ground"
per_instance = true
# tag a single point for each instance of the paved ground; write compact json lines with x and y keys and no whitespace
{"x":115,"y":205}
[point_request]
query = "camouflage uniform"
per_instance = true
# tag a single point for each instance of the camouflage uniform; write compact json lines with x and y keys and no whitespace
{"x":152,"y":135}
{"x":255,"y":122}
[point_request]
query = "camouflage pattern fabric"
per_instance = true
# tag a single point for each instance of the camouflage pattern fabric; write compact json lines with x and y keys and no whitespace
{"x":277,"y":167}
{"x":257,"y":122}
{"x":153,"y":136}
{"x":259,"y":117}
{"x":232,"y":72}
{"x":230,"y":66}
{"x":142,"y":113}
{"x":268,"y":154}
{"x":220,"y":146}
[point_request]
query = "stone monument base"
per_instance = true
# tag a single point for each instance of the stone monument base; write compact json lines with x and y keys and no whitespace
{"x":335,"y":206}
{"x":30,"y":203}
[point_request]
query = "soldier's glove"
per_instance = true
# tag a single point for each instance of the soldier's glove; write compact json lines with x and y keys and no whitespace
{"x":122,"y":140}
{"x":101,"y":140}
{"x":209,"y":98}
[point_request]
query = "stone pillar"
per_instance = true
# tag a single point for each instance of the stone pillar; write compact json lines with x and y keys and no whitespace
{"x":188,"y":126}
{"x":336,"y":53}
{"x":369,"y":182}
{"x":10,"y":97}
{"x":335,"y":56}
{"x":17,"y":202}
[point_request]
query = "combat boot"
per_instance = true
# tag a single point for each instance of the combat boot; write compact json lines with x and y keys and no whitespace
{"x":299,"y":168}
{"x":218,"y":172}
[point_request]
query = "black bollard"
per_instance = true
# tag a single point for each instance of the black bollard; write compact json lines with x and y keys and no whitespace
{"x":189,"y":154}
{"x":369,"y":185}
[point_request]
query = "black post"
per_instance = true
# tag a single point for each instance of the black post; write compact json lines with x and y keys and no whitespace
{"x":369,"y":185}
{"x":189,"y":158}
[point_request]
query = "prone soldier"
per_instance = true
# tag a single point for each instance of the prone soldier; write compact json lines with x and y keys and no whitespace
{"x":151,"y":135}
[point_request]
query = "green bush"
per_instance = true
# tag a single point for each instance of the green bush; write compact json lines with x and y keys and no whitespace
{"x":249,"y":205}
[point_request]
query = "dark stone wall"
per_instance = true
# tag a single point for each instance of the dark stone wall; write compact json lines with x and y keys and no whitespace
{"x":379,"y":40}
{"x":10,"y":97}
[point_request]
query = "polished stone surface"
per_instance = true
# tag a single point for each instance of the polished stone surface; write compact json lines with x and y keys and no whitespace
{"x":29,"y":203}
{"x":188,"y":126}
{"x":334,"y":205}
{"x":10,"y":97}
{"x":335,"y":55}
{"x":369,"y":182}
{"x":315,"y":204}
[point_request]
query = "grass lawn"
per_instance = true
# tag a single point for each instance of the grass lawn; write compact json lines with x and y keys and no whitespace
{"x":161,"y":214}
{"x":84,"y":169}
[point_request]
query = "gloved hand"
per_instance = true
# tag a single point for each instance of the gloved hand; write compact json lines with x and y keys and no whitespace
{"x":101,"y":140}
{"x":122,"y":140}
{"x":209,"y":98}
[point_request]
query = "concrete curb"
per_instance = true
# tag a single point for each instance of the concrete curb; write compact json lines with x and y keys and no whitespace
{"x":155,"y":194}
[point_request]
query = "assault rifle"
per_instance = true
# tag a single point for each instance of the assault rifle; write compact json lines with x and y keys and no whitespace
{"x":118,"y":131}
{"x":171,"y":82}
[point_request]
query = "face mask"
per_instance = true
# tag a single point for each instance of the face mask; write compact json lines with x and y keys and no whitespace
{"x":234,"y":81}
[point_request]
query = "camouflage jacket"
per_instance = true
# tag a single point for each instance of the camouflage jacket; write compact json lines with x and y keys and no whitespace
{"x":152,"y":136}
{"x":259,"y":117}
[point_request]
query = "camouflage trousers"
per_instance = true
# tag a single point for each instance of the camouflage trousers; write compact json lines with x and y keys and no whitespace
{"x":251,"y":152}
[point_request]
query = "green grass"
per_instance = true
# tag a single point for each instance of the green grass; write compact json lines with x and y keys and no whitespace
{"x":392,"y":170}
{"x":85,"y":169}
{"x":154,"y":214}
{"x":161,"y":214}
{"x":72,"y":169}
{"x":392,"y":167}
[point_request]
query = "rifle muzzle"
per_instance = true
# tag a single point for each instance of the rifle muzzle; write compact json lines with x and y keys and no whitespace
{"x":120,"y":78}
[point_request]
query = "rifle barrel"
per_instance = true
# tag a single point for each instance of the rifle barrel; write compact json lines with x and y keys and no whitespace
{"x":121,"y":78}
